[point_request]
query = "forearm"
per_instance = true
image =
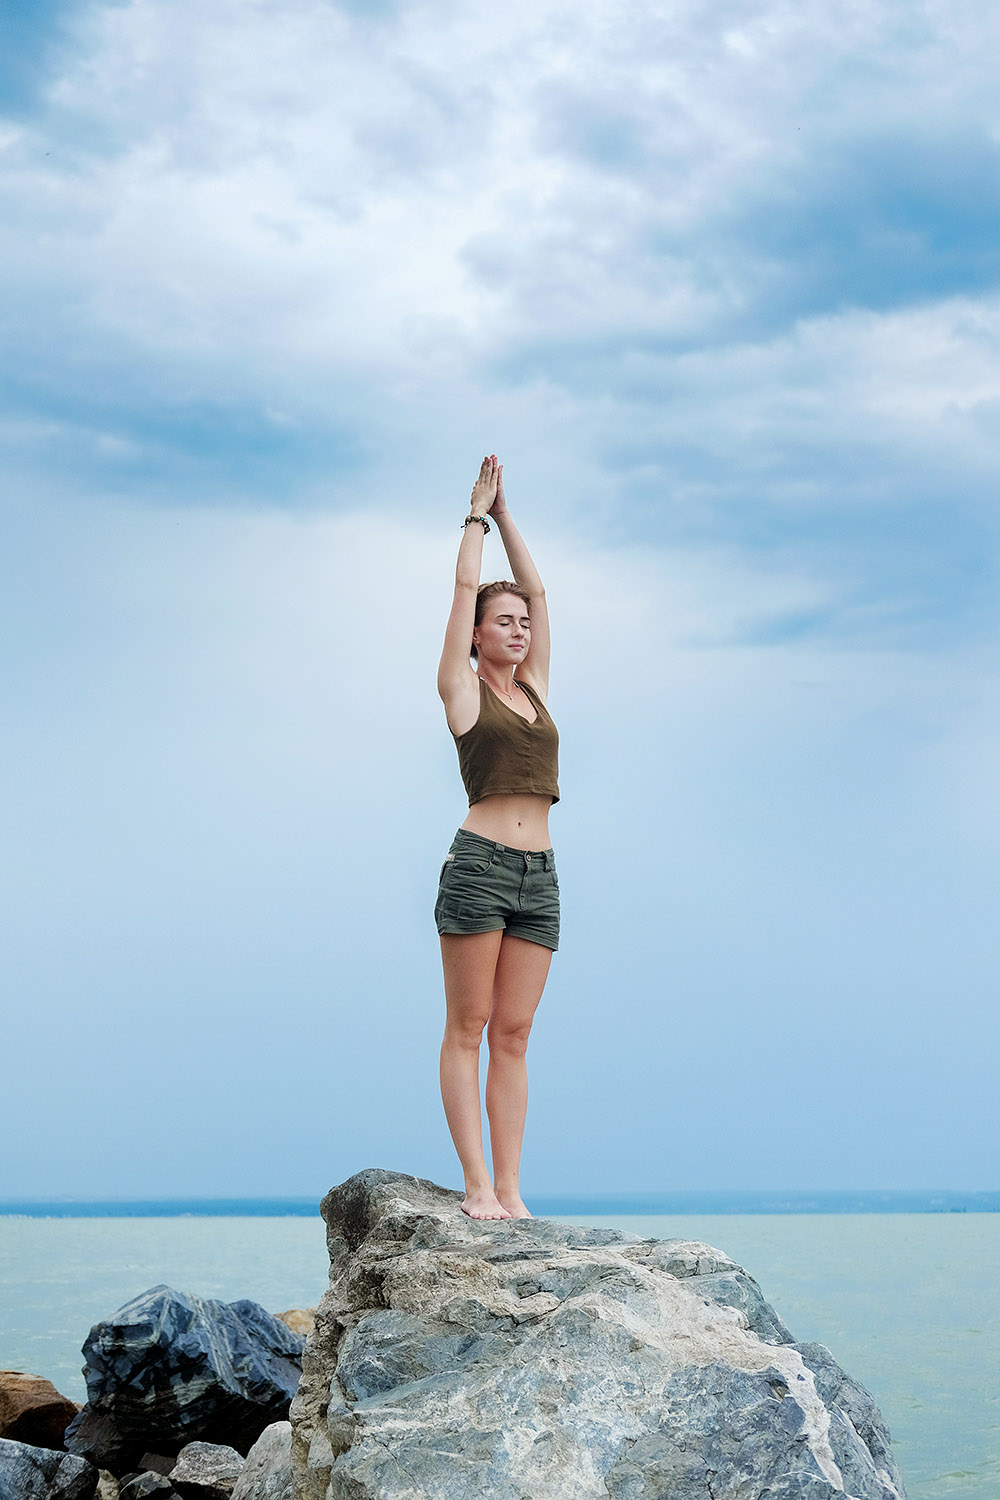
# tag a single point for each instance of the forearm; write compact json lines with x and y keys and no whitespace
{"x":520,"y":559}
{"x":470,"y":557}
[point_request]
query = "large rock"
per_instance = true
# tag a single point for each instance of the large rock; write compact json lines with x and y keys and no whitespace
{"x":30,"y":1473}
{"x":170,"y":1369}
{"x":529,"y":1360}
{"x":32,"y":1410}
{"x":206,"y":1471}
{"x":267,"y":1473}
{"x":299,"y":1320}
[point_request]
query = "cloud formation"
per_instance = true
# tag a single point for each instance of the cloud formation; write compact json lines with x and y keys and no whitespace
{"x":721,"y":284}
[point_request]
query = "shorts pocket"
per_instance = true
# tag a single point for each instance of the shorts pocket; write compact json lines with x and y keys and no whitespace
{"x":469,"y":861}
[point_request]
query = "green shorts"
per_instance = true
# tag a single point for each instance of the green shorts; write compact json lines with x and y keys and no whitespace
{"x":489,"y":887}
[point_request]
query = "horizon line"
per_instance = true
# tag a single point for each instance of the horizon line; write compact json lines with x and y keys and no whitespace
{"x":707,"y":1201}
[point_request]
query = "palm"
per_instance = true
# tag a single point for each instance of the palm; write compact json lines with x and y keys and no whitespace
{"x":499,"y":504}
{"x":485,"y":488}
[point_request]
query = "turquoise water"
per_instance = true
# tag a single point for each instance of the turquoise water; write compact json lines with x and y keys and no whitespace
{"x":909,"y":1303}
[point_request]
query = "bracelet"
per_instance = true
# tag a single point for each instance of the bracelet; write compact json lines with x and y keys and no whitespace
{"x":485,"y":524}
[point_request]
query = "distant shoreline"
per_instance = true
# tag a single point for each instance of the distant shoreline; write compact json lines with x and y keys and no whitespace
{"x":862,"y":1201}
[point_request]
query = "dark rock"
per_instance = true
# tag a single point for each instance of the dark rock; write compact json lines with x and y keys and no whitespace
{"x":93,"y":1435}
{"x":159,"y":1463}
{"x":32,"y":1410}
{"x":206,"y":1471}
{"x":267,"y":1473}
{"x":169,"y":1369}
{"x":528,"y":1360}
{"x":146,"y":1485}
{"x":30,"y":1473}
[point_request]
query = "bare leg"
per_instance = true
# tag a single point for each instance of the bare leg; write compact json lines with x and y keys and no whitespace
{"x":521,"y":971}
{"x":470,"y":962}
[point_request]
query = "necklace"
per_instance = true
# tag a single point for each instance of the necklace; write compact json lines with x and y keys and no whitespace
{"x":507,"y":695}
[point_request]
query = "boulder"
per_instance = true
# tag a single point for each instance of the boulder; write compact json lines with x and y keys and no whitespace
{"x":267,"y":1473}
{"x":32,"y":1410}
{"x":146,"y":1484}
{"x":206,"y":1471}
{"x":299,"y":1319}
{"x":30,"y":1473}
{"x":530,"y":1360}
{"x":170,"y":1369}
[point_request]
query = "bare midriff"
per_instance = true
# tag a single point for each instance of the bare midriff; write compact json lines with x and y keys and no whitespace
{"x":520,"y":820}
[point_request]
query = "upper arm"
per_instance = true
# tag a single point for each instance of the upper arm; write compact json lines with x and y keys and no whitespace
{"x":457,"y":683}
{"x":535,"y":667}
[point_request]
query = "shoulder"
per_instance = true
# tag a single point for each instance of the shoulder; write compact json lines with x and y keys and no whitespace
{"x":529,"y":681}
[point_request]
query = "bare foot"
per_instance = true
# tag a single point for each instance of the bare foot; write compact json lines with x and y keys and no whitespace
{"x":484,"y":1204}
{"x":514,"y":1205}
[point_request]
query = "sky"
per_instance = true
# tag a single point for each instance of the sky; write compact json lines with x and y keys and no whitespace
{"x":720,"y":283}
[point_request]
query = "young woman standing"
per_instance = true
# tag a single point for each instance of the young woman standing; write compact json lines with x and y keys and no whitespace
{"x":497,"y":910}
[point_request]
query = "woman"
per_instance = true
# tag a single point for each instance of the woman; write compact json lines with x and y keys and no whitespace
{"x":498,"y":901}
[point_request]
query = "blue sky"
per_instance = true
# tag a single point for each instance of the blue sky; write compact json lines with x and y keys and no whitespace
{"x":721,"y":285}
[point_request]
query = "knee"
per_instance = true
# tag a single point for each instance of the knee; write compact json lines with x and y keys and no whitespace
{"x":512,"y":1041}
{"x":466,"y":1032}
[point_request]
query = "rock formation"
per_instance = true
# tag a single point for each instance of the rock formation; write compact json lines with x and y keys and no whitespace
{"x":30,"y":1473}
{"x":32,"y":1410}
{"x":529,"y":1360}
{"x":267,"y":1473}
{"x":170,"y":1369}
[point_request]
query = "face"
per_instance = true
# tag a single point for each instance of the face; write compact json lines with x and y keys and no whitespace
{"x":504,"y":633}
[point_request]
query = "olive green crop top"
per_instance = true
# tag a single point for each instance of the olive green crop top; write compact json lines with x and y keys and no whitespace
{"x":504,"y":754}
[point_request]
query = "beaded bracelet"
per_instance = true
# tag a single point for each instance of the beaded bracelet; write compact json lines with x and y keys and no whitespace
{"x":485,"y":523}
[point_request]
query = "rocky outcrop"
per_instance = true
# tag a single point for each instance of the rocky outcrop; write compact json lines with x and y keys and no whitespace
{"x":529,"y":1360}
{"x":30,"y":1473}
{"x":267,"y":1473}
{"x":170,"y":1369}
{"x":32,"y":1410}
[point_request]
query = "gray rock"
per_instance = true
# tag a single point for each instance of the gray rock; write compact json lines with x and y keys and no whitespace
{"x":29,"y":1473}
{"x":170,"y":1369}
{"x":528,"y":1360}
{"x":267,"y":1473}
{"x":147,"y":1485}
{"x":108,"y":1487}
{"x":206,"y":1471}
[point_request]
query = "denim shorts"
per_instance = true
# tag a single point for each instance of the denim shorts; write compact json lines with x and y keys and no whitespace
{"x":489,"y":887}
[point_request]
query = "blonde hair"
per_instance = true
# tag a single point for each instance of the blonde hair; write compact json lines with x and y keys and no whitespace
{"x":488,"y":591}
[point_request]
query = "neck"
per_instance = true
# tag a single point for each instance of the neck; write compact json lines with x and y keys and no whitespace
{"x":502,"y":682}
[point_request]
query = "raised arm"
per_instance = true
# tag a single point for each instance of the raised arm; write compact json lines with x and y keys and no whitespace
{"x":535,"y":666}
{"x":457,"y":682}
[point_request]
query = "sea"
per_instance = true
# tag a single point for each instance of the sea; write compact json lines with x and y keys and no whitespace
{"x":903,"y":1288}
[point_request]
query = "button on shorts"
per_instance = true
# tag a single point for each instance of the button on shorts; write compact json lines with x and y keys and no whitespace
{"x":489,"y":887}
